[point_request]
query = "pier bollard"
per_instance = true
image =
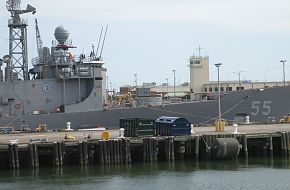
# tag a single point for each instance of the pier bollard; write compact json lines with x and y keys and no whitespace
{"x":191,"y":129}
{"x":235,"y":128}
{"x":68,"y":127}
{"x":121,"y":132}
{"x":247,"y":119}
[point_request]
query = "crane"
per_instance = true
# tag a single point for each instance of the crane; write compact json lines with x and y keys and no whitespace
{"x":39,"y":43}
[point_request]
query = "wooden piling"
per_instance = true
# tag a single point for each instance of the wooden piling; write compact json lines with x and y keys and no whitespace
{"x":245,"y":145}
{"x":188,"y":148}
{"x":11,"y":156}
{"x":169,"y":149}
{"x":81,"y":159}
{"x":105,"y":152}
{"x":150,"y":150}
{"x":85,"y":153}
{"x":31,"y":155}
{"x":145,"y":144}
{"x":196,"y":151}
{"x":270,"y":145}
{"x":118,"y":151}
{"x":16,"y":155}
{"x":111,"y":142}
{"x":284,"y":143}
{"x":206,"y":141}
{"x":108,"y":152}
{"x":35,"y":151}
{"x":172,"y":148}
{"x":127,"y":151}
{"x":60,"y":153}
{"x":55,"y":156}
{"x":288,"y":143}
{"x":114,"y":142}
{"x":156,"y":149}
{"x":101,"y":152}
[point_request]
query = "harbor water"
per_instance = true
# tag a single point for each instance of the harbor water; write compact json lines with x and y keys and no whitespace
{"x":257,"y":173}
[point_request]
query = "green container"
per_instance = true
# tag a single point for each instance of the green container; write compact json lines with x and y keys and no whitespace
{"x":135,"y":127}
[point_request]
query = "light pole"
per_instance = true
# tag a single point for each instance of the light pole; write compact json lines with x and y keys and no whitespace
{"x":239,"y":73}
{"x":167,"y":88}
{"x":283,"y":61}
{"x":219,"y":91}
{"x":174,"y":85}
{"x":135,"y":80}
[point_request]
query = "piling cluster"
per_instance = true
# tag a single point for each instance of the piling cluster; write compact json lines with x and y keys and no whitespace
{"x":143,"y":149}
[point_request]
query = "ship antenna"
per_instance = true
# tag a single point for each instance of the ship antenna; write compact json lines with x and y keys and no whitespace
{"x":18,"y":38}
{"x":99,"y":40}
{"x":104,"y":41}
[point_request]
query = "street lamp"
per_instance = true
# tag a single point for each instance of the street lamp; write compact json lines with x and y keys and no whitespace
{"x":167,"y":88}
{"x":283,"y":61}
{"x":174,"y":85}
{"x":219,"y":91}
{"x":239,"y":73}
{"x":135,"y":80}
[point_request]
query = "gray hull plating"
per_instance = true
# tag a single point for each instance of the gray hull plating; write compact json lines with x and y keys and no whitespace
{"x":260,"y":105}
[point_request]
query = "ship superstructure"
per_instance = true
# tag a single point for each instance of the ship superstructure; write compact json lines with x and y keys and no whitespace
{"x":58,"y":81}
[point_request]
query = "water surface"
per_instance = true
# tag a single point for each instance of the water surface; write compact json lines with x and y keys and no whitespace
{"x":257,"y":173}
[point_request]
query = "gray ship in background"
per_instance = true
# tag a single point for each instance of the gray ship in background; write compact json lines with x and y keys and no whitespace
{"x":61,"y":88}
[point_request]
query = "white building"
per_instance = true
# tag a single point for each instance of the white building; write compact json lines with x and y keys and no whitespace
{"x":202,"y":88}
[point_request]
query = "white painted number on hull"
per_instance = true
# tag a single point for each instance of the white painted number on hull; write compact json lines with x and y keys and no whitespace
{"x":263,"y":107}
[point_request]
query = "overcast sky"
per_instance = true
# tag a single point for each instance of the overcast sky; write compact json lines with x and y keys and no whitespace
{"x":152,"y":37}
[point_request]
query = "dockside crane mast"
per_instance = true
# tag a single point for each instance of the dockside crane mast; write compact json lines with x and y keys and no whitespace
{"x":18,"y":66}
{"x":39,"y":43}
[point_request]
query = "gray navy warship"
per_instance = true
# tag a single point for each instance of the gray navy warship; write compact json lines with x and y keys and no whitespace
{"x":61,"y":88}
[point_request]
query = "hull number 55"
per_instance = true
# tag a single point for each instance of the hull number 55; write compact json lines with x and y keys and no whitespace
{"x":259,"y":107}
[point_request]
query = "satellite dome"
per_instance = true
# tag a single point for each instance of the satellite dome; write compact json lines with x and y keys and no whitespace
{"x":61,"y":34}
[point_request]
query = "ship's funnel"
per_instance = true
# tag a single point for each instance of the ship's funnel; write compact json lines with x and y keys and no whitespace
{"x":61,"y":34}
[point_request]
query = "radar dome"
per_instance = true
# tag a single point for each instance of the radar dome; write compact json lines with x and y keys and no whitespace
{"x":61,"y":34}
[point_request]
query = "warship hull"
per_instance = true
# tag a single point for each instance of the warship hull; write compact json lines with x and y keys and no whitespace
{"x":261,"y":105}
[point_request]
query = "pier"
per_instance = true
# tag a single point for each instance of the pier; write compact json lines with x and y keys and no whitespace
{"x":58,"y":149}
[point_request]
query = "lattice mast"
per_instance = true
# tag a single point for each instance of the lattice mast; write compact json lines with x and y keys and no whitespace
{"x":38,"y":42}
{"x":18,"y":40}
